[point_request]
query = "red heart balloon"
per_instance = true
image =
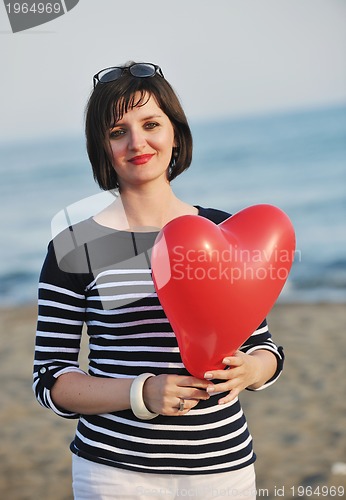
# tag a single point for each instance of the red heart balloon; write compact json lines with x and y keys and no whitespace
{"x":217,"y":283}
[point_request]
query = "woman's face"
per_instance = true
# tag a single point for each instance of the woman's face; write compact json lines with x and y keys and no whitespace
{"x":141,"y":145}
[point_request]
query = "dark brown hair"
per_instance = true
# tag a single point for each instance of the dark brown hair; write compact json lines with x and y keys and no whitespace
{"x":107,"y":105}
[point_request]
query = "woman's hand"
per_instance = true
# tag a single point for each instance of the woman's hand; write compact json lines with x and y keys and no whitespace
{"x":245,"y":371}
{"x":163,"y":394}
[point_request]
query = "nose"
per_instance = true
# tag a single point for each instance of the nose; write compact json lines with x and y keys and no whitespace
{"x":136,"y":140}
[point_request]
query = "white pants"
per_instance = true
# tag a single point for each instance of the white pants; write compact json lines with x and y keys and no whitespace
{"x":93,"y":481}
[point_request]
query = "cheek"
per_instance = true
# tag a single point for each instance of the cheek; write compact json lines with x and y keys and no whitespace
{"x":167,"y":142}
{"x":116,"y":153}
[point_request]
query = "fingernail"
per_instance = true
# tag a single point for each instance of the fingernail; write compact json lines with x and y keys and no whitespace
{"x":210,"y":389}
{"x":226,"y":361}
{"x":208,"y":375}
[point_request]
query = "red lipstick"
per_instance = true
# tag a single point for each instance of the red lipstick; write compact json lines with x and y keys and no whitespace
{"x":141,"y":159}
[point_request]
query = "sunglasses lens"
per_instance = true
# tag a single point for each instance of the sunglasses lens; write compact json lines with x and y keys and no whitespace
{"x":110,"y":75}
{"x":139,"y":70}
{"x":142,"y":70}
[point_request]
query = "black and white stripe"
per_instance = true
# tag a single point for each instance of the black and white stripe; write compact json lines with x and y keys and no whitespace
{"x":129,"y":334}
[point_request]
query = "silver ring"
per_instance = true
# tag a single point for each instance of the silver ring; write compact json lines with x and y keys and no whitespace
{"x":182,"y":404}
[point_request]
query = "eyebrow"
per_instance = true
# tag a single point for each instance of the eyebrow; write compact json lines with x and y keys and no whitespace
{"x":146,"y":118}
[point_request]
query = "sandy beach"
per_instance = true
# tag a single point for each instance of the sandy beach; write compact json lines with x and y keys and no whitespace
{"x":298,"y":424}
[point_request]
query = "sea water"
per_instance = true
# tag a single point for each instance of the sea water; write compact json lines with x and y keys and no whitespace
{"x":296,"y":161}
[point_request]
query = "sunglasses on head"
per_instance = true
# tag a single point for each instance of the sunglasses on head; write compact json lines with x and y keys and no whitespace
{"x":139,"y":70}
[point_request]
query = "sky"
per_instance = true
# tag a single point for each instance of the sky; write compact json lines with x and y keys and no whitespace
{"x":225,"y":58}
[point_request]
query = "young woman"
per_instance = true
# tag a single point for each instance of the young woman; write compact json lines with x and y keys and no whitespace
{"x":146,"y":429}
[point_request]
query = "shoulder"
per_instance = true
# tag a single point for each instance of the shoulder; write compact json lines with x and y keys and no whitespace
{"x":71,"y":246}
{"x":81,"y":232}
{"x":213,"y":214}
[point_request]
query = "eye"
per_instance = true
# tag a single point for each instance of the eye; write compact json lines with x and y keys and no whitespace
{"x":151,"y":125}
{"x":116,"y":133}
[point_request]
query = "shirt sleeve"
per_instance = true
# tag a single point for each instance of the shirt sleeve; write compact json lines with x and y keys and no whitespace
{"x":61,"y":315}
{"x":261,"y":339}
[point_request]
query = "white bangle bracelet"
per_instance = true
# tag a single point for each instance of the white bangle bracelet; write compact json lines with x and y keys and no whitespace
{"x":136,"y":397}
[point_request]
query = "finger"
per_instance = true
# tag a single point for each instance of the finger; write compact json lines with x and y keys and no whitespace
{"x":215,"y":375}
{"x":235,"y":360}
{"x":231,"y":363}
{"x":187,"y":406}
{"x":191,"y":393}
{"x":234,"y":380}
{"x":193,"y":382}
{"x":230,"y":397}
{"x":222,"y":387}
{"x":221,"y":374}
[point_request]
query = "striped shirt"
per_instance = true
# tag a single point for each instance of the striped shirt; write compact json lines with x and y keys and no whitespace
{"x":100,"y":277}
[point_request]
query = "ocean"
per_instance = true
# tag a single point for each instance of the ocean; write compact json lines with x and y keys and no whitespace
{"x":294,"y":160}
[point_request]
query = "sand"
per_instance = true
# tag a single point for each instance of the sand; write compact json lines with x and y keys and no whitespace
{"x":298,"y":424}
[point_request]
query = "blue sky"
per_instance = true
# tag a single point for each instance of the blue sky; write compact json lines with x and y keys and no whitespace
{"x":225,"y":58}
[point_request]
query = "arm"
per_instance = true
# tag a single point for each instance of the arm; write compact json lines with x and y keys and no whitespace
{"x":84,"y":394}
{"x":60,"y":384}
{"x":246,"y":371}
{"x":61,"y":313}
{"x":257,"y":365}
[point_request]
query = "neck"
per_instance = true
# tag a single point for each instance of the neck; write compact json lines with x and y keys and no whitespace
{"x":145,"y":210}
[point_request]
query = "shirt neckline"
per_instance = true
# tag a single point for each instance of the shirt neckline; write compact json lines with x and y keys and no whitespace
{"x":110,"y":230}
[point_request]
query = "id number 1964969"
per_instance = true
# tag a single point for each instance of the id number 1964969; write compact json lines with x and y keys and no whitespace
{"x":33,"y":8}
{"x":318,"y":491}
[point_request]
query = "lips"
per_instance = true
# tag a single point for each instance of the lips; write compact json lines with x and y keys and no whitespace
{"x":141,"y":159}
